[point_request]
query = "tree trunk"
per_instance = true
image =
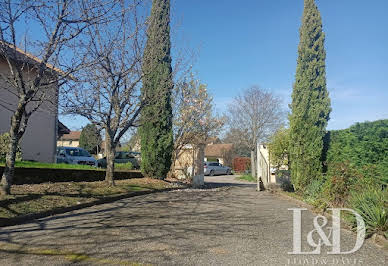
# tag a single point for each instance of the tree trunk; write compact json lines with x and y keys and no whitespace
{"x":199,"y":170}
{"x":110,"y":161}
{"x":253,"y":163}
{"x":175,"y":157}
{"x":16,"y":132}
{"x":6,"y":179}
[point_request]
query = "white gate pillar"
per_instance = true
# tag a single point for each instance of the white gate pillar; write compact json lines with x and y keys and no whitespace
{"x":262,"y":169}
{"x":199,"y":178}
{"x":258,"y":169}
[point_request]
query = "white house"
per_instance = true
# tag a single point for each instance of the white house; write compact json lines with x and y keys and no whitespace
{"x":39,"y":140}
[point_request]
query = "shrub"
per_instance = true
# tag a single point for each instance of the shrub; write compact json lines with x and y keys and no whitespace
{"x":367,"y":179}
{"x":372,"y":205}
{"x":313,"y":194}
{"x":283,"y":177}
{"x":378,"y":174}
{"x":279,"y":147}
{"x":4,"y":143}
{"x":286,"y":185}
{"x":338,"y":185}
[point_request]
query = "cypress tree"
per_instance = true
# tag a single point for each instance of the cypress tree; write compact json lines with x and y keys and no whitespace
{"x":310,"y":107}
{"x":156,"y":117}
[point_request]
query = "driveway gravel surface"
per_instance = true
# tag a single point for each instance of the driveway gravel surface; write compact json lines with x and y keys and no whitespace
{"x":229,"y":223}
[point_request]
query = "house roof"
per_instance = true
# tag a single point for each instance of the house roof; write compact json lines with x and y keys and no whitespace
{"x":217,"y":150}
{"x":213,"y":140}
{"x":73,"y":135}
{"x":22,"y":56}
{"x":62,"y":129}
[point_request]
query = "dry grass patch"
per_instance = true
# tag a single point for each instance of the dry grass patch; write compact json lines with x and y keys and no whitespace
{"x":37,"y":198}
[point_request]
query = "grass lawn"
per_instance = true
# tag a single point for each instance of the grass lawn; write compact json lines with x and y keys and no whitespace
{"x":26,"y":164}
{"x":29,"y":199}
{"x":247,"y":178}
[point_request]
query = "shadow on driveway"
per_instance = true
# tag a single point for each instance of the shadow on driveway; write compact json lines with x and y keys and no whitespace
{"x":237,"y":226}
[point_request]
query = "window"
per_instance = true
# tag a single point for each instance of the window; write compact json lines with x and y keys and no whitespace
{"x":128,"y":156}
{"x":77,"y":152}
{"x":60,"y":152}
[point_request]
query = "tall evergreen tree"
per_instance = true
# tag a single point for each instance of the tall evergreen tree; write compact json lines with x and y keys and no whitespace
{"x":310,"y":107}
{"x":90,"y":138}
{"x":156,"y":117}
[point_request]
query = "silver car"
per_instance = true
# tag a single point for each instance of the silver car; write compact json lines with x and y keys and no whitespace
{"x":70,"y":155}
{"x":214,"y":168}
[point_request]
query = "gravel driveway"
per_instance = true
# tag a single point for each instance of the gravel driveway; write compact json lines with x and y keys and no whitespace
{"x":228,"y":224}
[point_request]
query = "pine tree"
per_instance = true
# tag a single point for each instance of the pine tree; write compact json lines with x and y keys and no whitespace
{"x":310,"y":107}
{"x":156,"y":117}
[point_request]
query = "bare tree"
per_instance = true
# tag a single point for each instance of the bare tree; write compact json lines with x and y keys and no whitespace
{"x":238,"y":138}
{"x":34,"y":76}
{"x":257,"y":114}
{"x":108,"y":90}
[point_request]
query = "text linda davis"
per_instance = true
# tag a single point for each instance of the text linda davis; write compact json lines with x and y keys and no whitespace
{"x":317,"y":238}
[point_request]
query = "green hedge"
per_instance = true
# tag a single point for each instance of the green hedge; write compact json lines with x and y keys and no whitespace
{"x":363,"y":145}
{"x":44,"y":175}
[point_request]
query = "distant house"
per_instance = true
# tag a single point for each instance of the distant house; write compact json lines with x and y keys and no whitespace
{"x":62,"y":130}
{"x":69,"y":140}
{"x":222,"y":153}
{"x":213,"y":140}
{"x":39,"y":140}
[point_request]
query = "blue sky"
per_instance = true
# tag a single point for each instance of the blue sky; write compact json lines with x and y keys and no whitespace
{"x":248,"y":42}
{"x":254,"y":42}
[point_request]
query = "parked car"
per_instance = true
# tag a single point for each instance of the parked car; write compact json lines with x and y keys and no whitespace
{"x":214,"y":168}
{"x":136,"y":154}
{"x":121,"y":157}
{"x":73,"y":155}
